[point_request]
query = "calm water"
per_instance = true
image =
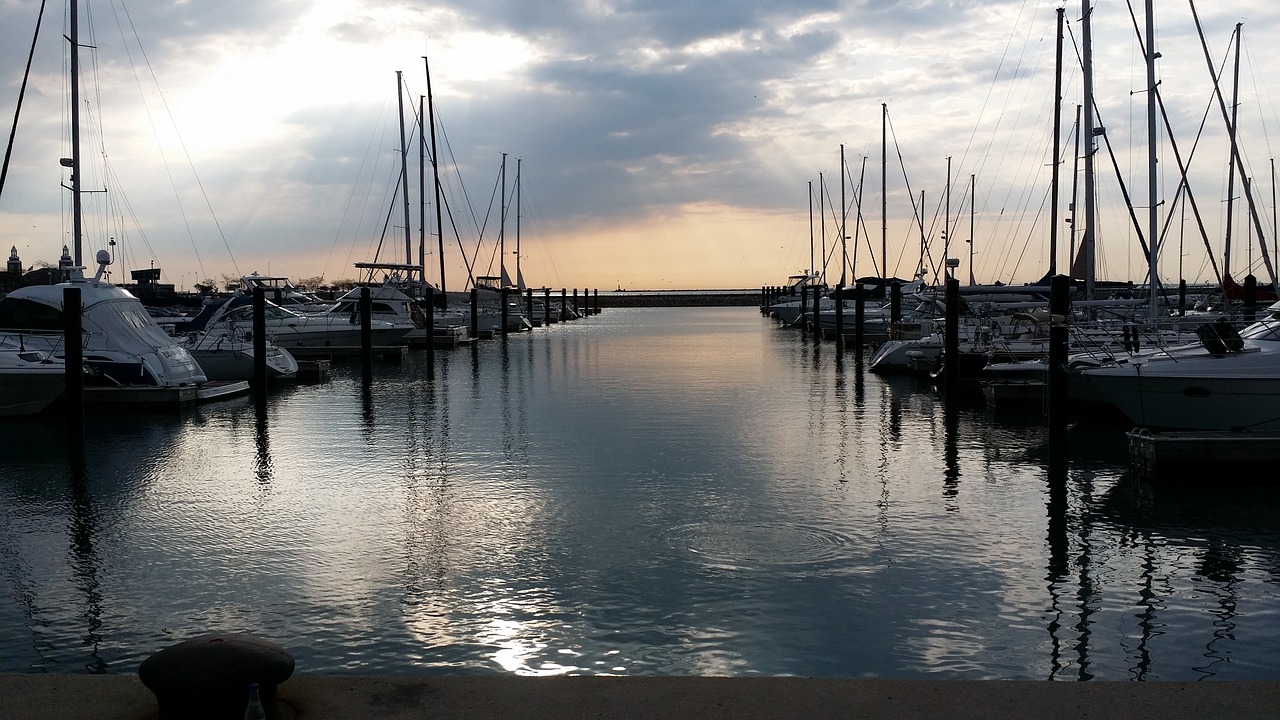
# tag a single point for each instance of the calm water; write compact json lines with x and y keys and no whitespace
{"x":646,"y":492}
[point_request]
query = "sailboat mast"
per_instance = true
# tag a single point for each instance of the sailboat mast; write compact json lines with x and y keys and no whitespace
{"x":76,"y":208}
{"x":1089,"y":200}
{"x":884,"y":185}
{"x":1075,"y":194}
{"x":1231,"y":172}
{"x":1057,"y":150}
{"x":435,"y":172}
{"x":404,"y":172}
{"x":519,"y":277}
{"x":844,"y":216}
{"x":973,"y":194}
{"x":502,"y":228}
{"x":1152,"y":219}
{"x":812,"y":266}
{"x":946,"y":222}
{"x":422,"y":198}
{"x":822,"y":215}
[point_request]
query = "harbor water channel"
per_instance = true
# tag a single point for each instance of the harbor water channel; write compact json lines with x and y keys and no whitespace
{"x":648,"y":491}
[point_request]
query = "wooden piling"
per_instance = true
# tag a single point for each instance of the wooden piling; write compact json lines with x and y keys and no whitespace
{"x":1059,"y":311}
{"x":431,"y":331}
{"x":366,"y":329}
{"x":259,"y":343}
{"x":504,"y":313}
{"x":859,"y":318}
{"x":840,"y":313}
{"x":546,"y":306}
{"x":73,"y":354}
{"x":1250,"y":298}
{"x":951,"y":341}
{"x":475,"y":313}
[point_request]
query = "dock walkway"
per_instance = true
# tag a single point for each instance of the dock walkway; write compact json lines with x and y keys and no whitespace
{"x":123,"y":697}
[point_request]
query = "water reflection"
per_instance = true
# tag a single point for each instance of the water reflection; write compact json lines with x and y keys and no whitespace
{"x":628,"y":495}
{"x":82,"y":532}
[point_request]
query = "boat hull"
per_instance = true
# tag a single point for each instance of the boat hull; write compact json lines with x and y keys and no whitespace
{"x":1183,"y":401}
{"x":26,"y":391}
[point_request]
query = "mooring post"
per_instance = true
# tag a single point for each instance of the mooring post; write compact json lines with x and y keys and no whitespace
{"x":859,"y":318}
{"x":528,"y":305}
{"x":475,"y":313}
{"x":817,"y":303}
{"x":430,"y":330}
{"x":840,"y":313}
{"x":1250,"y":298}
{"x":505,"y":312}
{"x":73,"y":369}
{"x":546,"y":306}
{"x":895,"y":304}
{"x":366,"y":329}
{"x":596,"y":293}
{"x":1059,"y":311}
{"x":951,"y":342}
{"x":804,"y":305}
{"x":1182,"y":298}
{"x":259,"y":344}
{"x":564,"y":304}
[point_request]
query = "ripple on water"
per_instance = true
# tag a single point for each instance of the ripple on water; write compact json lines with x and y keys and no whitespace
{"x":773,"y":545}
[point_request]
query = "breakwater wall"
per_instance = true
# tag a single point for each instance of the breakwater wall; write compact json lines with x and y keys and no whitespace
{"x":679,"y":298}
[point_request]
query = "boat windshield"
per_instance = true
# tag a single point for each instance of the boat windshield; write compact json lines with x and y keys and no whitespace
{"x":1266,"y":330}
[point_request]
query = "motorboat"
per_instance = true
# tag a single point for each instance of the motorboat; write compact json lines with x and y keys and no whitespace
{"x":30,"y":380}
{"x":294,"y":330}
{"x":226,"y":352}
{"x":1228,"y":380}
{"x":122,"y":344}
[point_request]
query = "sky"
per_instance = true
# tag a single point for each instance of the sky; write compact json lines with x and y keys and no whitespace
{"x":659,"y":144}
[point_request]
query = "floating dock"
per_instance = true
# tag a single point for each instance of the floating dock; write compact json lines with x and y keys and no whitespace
{"x":139,"y":395}
{"x":1234,"y":456}
{"x":394,"y":353}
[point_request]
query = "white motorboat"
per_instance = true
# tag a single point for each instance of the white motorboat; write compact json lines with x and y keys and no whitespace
{"x":29,"y":380}
{"x":226,"y":352}
{"x":122,"y":344}
{"x":1226,"y":381}
{"x":293,"y":330}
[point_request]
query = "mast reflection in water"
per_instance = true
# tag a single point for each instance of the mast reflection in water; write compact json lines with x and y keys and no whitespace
{"x":646,"y":491}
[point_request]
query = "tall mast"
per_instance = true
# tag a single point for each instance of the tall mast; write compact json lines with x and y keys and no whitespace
{"x":822,"y":214}
{"x":1238,"y":160}
{"x":844,"y":215}
{"x":884,"y":185}
{"x":812,"y":266}
{"x":404,"y":174}
{"x":519,"y":277}
{"x":422,"y":198}
{"x":946,"y":222}
{"x":502,"y":228}
{"x":1089,"y":200}
{"x":435,"y":171}
{"x":1057,"y":150}
{"x":1231,"y":173}
{"x":1075,"y":193}
{"x":77,"y":217}
{"x":1152,"y":219}
{"x":973,"y":195}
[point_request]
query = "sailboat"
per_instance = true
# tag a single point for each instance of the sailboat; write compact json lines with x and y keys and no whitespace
{"x":122,"y":344}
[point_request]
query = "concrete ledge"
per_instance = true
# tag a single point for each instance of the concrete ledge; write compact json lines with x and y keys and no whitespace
{"x":123,"y":697}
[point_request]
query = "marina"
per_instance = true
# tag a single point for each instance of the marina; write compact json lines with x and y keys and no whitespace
{"x":647,"y":491}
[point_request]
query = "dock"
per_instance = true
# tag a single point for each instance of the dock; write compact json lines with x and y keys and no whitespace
{"x":1182,"y":455}
{"x":145,"y":395}
{"x":393,"y":353}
